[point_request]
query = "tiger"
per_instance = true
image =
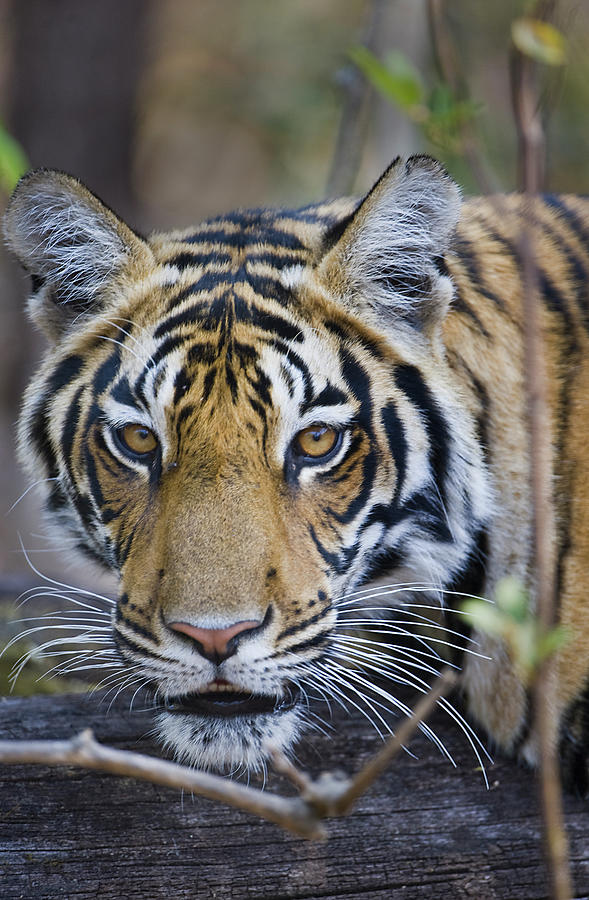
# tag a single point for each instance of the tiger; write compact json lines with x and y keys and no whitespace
{"x":283,"y":424}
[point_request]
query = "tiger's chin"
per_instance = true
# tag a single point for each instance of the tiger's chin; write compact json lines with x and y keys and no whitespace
{"x":230,"y":745}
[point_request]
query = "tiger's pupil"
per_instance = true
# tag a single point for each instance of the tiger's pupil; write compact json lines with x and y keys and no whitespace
{"x":316,"y":441}
{"x":138,"y":439}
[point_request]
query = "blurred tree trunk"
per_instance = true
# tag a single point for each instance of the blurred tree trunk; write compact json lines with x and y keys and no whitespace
{"x":71,"y":83}
{"x":76,"y":68}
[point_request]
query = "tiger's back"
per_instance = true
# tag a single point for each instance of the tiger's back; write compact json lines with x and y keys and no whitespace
{"x":253,"y":421}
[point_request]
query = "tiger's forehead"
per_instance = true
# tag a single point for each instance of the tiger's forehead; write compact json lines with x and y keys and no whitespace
{"x":222,"y":317}
{"x":253,"y":237}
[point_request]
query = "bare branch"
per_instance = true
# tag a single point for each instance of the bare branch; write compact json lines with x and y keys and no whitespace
{"x":290,"y":813}
{"x":329,"y":795}
{"x":378,"y":763}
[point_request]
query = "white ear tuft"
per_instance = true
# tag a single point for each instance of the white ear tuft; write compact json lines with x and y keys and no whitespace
{"x":390,"y":254}
{"x":68,"y":241}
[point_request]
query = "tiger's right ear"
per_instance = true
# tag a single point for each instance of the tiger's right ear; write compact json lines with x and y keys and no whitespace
{"x":385,"y":261}
{"x":75,"y":249}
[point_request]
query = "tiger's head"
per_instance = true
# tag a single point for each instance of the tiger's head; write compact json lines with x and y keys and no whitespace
{"x":246,"y":421}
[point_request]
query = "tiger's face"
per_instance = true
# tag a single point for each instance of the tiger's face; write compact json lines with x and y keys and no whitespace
{"x":246,"y":421}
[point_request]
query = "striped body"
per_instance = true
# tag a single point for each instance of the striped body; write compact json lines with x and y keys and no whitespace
{"x":253,"y":421}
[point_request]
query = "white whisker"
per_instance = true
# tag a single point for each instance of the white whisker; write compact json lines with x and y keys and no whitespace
{"x":25,"y":492}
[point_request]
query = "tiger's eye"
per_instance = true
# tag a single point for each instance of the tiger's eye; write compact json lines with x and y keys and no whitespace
{"x":137,"y":439}
{"x":316,"y":441}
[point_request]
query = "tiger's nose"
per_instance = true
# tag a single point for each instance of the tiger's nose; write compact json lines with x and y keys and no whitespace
{"x":218,"y":644}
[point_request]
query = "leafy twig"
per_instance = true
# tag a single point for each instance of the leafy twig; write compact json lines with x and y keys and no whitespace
{"x":531,"y":141}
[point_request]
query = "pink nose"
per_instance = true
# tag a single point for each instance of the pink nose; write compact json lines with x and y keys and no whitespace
{"x":216,"y":644}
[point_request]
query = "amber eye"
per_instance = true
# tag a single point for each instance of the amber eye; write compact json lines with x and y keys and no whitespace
{"x":137,"y":440}
{"x":317,"y":441}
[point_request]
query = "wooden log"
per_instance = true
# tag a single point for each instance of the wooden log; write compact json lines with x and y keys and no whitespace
{"x":425,"y":830}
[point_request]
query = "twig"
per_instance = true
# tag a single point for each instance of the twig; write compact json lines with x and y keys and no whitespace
{"x":531,"y":154}
{"x":333,"y":794}
{"x":359,"y":95}
{"x":290,"y":813}
{"x":379,"y":762}
{"x":330,"y":795}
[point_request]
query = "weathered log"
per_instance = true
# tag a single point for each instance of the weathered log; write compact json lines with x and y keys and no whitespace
{"x":425,"y":830}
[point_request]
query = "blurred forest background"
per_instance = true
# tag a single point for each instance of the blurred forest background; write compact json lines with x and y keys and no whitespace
{"x":172,"y":110}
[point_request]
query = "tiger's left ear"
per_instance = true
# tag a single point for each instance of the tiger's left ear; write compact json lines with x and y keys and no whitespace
{"x":386,"y":260}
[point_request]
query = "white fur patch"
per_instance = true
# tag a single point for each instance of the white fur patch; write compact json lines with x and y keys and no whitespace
{"x":71,"y":247}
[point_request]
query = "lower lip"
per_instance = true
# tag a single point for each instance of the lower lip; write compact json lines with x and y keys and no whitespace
{"x":212,"y":705}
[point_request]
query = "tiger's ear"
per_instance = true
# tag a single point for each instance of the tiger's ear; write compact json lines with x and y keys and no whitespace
{"x":386,"y":260}
{"x":73,"y":246}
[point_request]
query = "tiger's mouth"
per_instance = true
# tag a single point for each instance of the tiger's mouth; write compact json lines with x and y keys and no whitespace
{"x":226,"y":701}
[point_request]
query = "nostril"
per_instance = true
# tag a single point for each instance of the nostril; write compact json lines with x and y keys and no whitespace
{"x":216,"y":644}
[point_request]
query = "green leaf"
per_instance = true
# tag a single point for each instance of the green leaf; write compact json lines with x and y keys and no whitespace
{"x":13,"y":161}
{"x":396,"y":77}
{"x":539,"y":40}
{"x":512,"y":599}
{"x":511,"y":619}
{"x":552,"y":641}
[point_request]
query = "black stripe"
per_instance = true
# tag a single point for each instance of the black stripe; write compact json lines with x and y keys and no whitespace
{"x":261,"y":384}
{"x":468,"y":256}
{"x":162,"y":351}
{"x":329,"y":396}
{"x":369,"y":465}
{"x":122,"y":552}
{"x":251,"y":234}
{"x":574,"y":744}
{"x":38,"y":423}
{"x":69,"y":430}
{"x":121,"y":639}
{"x":300,"y":626}
{"x":427,"y":511}
{"x":359,"y":384}
{"x":470,"y":582}
{"x":572,"y":219}
{"x":397,"y":442}
{"x":199,"y":258}
{"x":181,"y":385}
{"x":267,"y":287}
{"x":580,"y":274}
{"x":208,"y":382}
{"x":208,"y":282}
{"x":409,"y":380}
{"x":106,"y":372}
{"x":293,"y":359}
{"x":209,"y":315}
{"x":347,"y":332}
{"x":231,"y":379}
{"x":278,"y":258}
{"x":318,"y":641}
{"x":336,"y":231}
{"x":339,"y":562}
{"x":134,"y":627}
{"x":95,"y":489}
{"x":460,"y":305}
{"x":122,"y":392}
